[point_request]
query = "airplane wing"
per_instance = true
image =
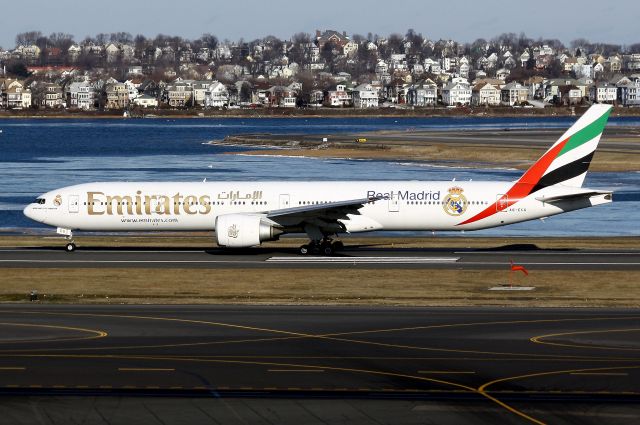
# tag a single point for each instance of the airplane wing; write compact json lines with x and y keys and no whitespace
{"x":323,"y":217}
{"x":572,"y":196}
{"x":330,"y":210}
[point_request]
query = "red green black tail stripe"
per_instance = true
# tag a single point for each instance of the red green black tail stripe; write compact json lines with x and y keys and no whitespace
{"x":537,"y":177}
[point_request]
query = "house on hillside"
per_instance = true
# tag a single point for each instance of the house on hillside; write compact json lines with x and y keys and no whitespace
{"x":456,"y":93}
{"x":13,"y":94}
{"x":422,"y":93}
{"x":335,"y":38}
{"x":216,"y":96}
{"x":513,"y":94}
{"x":117,"y":96}
{"x":146,"y":101}
{"x":80,"y":95}
{"x":338,"y":96}
{"x":365,"y":96}
{"x":603,"y":92}
{"x":485,"y":94}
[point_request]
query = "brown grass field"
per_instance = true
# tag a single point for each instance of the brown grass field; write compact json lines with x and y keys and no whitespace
{"x":490,"y":155}
{"x":356,"y":285}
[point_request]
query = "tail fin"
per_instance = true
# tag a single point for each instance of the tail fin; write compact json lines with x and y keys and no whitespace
{"x":567,"y":161}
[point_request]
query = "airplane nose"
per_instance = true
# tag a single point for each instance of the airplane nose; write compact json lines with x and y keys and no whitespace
{"x":29,"y":212}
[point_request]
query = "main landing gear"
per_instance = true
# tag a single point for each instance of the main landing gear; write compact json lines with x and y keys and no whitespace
{"x":324,"y":247}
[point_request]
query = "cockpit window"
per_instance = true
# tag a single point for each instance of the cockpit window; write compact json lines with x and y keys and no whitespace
{"x":40,"y":201}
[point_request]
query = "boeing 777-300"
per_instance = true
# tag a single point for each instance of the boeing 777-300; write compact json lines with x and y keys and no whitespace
{"x":245,"y":214}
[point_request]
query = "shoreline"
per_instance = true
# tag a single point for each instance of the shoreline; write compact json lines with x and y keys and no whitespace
{"x":440,"y":112}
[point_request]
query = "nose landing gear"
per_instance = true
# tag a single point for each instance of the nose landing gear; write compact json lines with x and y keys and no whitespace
{"x":71,"y":245}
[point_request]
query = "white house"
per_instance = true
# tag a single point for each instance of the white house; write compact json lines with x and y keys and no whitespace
{"x":382,"y":67}
{"x":365,"y":96}
{"x":485,"y":94}
{"x":14,"y":95}
{"x":216,"y":96}
{"x":135,"y":70}
{"x":113,"y":52}
{"x":146,"y":101}
{"x":350,"y":49}
{"x":629,"y":92}
{"x":339,"y":96}
{"x":603,"y":92}
{"x":456,"y":93}
{"x":81,"y":95}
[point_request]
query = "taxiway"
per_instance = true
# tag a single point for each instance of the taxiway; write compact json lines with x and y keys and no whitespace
{"x":213,"y":364}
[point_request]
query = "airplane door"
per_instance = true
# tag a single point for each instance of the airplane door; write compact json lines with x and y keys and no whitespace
{"x":74,"y":203}
{"x":394,"y":205}
{"x":502,"y":202}
{"x":284,"y":201}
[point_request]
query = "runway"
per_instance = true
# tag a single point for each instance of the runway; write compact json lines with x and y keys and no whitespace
{"x":213,"y":364}
{"x":445,"y":258}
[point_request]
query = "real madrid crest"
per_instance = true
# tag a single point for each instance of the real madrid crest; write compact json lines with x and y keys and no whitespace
{"x":455,"y":203}
{"x":57,"y":201}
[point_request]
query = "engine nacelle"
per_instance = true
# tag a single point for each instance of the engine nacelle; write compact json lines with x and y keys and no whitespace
{"x":244,"y":230}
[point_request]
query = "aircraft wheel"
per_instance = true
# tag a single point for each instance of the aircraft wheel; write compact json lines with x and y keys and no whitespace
{"x":304,"y":249}
{"x":70,"y":247}
{"x":327,"y":249}
{"x":338,"y":246}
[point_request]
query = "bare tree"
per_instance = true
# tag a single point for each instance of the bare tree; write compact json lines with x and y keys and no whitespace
{"x":210,"y":41}
{"x":140,"y":42}
{"x":121,"y":37}
{"x":27,"y":38}
{"x":102,"y":38}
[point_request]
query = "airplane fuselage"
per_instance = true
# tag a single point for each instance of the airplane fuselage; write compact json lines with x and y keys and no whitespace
{"x":187,"y":206}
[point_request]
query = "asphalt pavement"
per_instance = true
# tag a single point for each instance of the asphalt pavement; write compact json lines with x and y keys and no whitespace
{"x":286,"y":364}
{"x":440,"y":258}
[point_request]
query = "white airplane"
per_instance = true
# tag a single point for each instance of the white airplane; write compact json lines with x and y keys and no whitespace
{"x":245,"y":214}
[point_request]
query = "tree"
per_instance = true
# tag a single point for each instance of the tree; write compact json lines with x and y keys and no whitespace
{"x":357,"y":38}
{"x":326,"y":53}
{"x":245,"y":92}
{"x":17,"y":69}
{"x":27,"y":38}
{"x":102,"y":38}
{"x":209,"y":41}
{"x":140,"y":42}
{"x":394,"y":44}
{"x":300,"y":51}
{"x":121,"y":37}
{"x":416,"y":41}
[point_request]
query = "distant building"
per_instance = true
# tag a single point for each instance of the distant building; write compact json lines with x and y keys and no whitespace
{"x":216,"y":96}
{"x":513,"y":94}
{"x":485,"y":94}
{"x":146,"y":101}
{"x":456,"y":93}
{"x":117,"y":96}
{"x":365,"y":96}
{"x":14,"y":95}
{"x":81,"y":95}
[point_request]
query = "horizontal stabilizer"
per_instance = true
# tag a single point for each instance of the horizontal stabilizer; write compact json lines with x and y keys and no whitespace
{"x":574,"y":196}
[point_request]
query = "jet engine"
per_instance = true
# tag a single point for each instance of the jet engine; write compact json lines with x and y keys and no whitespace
{"x":245,"y":230}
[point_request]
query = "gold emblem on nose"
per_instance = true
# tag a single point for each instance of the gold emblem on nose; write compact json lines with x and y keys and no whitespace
{"x":57,"y":201}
